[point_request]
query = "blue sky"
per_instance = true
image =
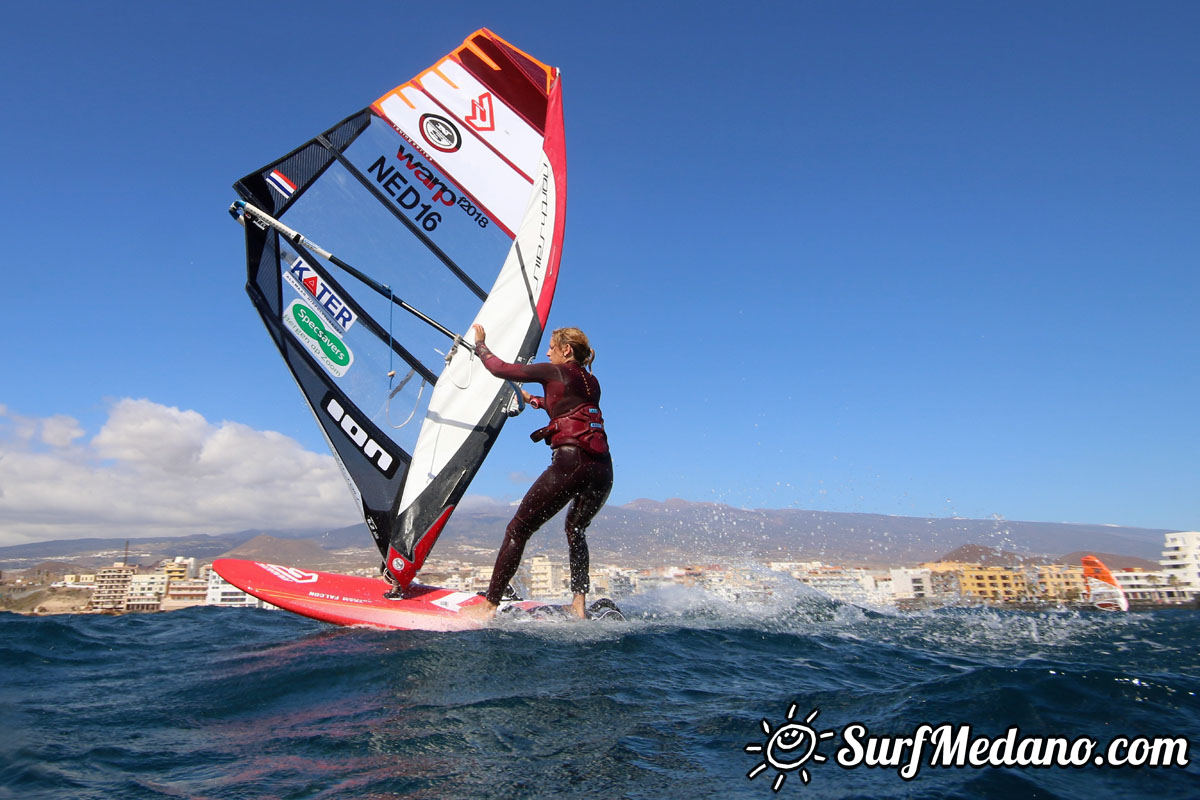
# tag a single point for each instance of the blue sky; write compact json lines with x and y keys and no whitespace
{"x":927,"y":259}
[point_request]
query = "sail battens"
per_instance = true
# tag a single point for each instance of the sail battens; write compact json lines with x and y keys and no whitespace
{"x":525,"y":83}
{"x":413,"y":227}
{"x":334,"y":310}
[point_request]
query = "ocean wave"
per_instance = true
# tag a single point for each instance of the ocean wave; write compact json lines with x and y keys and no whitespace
{"x":243,"y":703}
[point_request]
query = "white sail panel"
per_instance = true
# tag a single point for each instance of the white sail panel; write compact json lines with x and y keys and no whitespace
{"x":498,"y":186}
{"x":466,"y":388}
{"x":486,"y":113}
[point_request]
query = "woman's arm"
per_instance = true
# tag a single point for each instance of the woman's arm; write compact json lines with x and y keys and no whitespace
{"x":538,"y":373}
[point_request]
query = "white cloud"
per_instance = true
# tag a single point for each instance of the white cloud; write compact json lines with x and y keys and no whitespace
{"x":481,"y":503}
{"x":155,"y":470}
{"x":60,"y":430}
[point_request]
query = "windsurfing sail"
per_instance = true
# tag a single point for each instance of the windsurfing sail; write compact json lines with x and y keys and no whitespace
{"x":442,"y":204}
{"x":1103,"y":589}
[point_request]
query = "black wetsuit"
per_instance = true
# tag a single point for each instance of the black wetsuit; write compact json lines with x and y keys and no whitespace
{"x":577,"y":474}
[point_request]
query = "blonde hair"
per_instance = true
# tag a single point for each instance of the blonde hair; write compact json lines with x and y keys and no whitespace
{"x":581,"y":350}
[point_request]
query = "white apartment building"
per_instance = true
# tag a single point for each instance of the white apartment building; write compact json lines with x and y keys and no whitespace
{"x":612,"y":581}
{"x":649,"y":580}
{"x":1181,"y":561}
{"x":1152,"y":587}
{"x":547,"y":578}
{"x":112,"y":585}
{"x":460,"y":581}
{"x":851,"y":585}
{"x":480,"y":578}
{"x":794,"y":568}
{"x":911,"y":584}
{"x":146,"y":592}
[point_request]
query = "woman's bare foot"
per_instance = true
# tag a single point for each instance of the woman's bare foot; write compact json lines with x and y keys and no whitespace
{"x":482,"y":611}
{"x":578,"y":607}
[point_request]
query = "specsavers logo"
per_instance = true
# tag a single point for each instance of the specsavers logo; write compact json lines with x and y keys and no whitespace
{"x":310,"y":328}
{"x":790,"y":747}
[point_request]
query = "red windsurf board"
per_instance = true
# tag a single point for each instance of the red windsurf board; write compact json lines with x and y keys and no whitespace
{"x":353,"y":600}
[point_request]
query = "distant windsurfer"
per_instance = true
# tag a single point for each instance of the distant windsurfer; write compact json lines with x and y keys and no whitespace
{"x":580,"y":471}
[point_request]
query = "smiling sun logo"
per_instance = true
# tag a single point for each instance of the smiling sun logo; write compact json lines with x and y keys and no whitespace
{"x":788,"y":747}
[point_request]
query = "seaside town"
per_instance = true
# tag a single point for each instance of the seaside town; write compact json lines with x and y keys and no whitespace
{"x":181,"y":582}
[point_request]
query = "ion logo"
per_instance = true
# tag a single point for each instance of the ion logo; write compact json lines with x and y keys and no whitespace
{"x":788,"y":747}
{"x":440,"y":133}
{"x":370,"y":448}
{"x":289,"y":574}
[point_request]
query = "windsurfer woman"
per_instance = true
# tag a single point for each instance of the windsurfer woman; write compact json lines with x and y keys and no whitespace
{"x":580,"y":471}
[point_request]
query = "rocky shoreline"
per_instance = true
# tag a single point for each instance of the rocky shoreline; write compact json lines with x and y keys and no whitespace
{"x":48,"y":600}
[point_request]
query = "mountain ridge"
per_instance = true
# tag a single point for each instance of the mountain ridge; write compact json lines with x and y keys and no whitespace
{"x":648,"y":532}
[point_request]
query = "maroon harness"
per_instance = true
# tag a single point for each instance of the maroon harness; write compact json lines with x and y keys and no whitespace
{"x":582,"y":426}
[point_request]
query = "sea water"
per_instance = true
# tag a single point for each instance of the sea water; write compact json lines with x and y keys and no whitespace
{"x":691,"y":697}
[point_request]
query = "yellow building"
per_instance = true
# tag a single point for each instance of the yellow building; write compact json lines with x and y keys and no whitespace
{"x":179,"y":568}
{"x":947,"y":566}
{"x":1060,"y":583}
{"x":998,"y":584}
{"x":184,"y":593}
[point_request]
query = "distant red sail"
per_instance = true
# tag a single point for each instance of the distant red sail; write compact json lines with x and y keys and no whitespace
{"x":1103,"y":589}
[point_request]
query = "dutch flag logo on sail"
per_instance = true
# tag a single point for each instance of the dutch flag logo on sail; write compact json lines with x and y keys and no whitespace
{"x":281,"y":183}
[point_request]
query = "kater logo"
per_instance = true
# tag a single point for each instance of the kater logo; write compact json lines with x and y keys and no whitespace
{"x":788,"y":747}
{"x":481,"y":118}
{"x":303,"y":278}
{"x":289,"y":574}
{"x":440,"y":133}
